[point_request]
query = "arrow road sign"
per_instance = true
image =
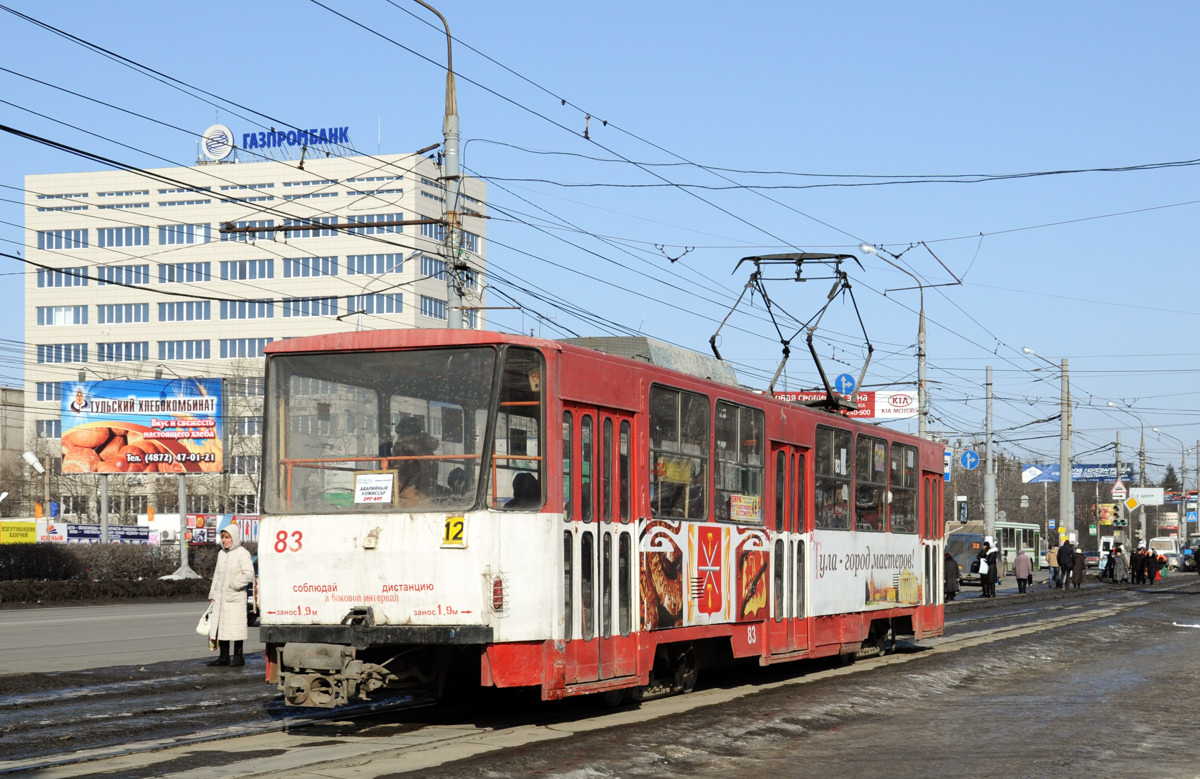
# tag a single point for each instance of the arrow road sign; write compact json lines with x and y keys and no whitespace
{"x":844,"y":384}
{"x":969,"y":460}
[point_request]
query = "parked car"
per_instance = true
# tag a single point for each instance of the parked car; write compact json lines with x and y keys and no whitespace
{"x":1092,"y":558}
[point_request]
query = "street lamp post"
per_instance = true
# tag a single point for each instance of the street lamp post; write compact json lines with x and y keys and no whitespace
{"x":1066,"y":496}
{"x":922,"y":395}
{"x":1141,"y":459}
{"x":1181,"y":530}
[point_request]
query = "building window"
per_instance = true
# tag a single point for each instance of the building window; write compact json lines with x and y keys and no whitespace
{"x":49,"y":428}
{"x":433,"y":268}
{"x":49,"y":391}
{"x":126,"y":193}
{"x":311,"y":195}
{"x":316,"y":230}
{"x":247,"y":426}
{"x":267,"y":235}
{"x":67,"y":277}
{"x":296,"y":307}
{"x":374,"y":264}
{"x":433,"y":308}
{"x":245,"y":386}
{"x":184,"y":272}
{"x":308,"y":267}
{"x":247,"y":309}
{"x":55,"y":353}
{"x":175,"y":235}
{"x":376,"y":304}
{"x":128,"y":275}
{"x":243,"y":464}
{"x":62,"y":239}
{"x":122,"y":236}
{"x":244,"y":504}
{"x":200,"y":349}
{"x":247,"y":270}
{"x":371,"y":219}
{"x":123,"y":351}
{"x":243,"y":347}
{"x":185,"y":311}
{"x":435,"y":231}
{"x":470,"y":242}
{"x":168,"y":203}
{"x":55,"y":316}
{"x":123,"y":313}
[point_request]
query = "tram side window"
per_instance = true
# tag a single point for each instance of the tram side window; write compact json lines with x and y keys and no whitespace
{"x":832,"y":495}
{"x":740,"y":463}
{"x":780,"y":488}
{"x":679,"y":445}
{"x":623,"y":466}
{"x":568,"y":585}
{"x":624,"y":585}
{"x":568,"y":458}
{"x":870,"y":487}
{"x":518,"y":446}
{"x":903,"y":509}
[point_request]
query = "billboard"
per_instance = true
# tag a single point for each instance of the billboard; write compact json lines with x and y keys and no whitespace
{"x":1103,"y":472}
{"x":871,"y":404}
{"x":142,"y":426}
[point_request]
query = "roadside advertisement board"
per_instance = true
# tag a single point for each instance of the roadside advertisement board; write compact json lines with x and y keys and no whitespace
{"x":142,"y":426}
{"x":871,"y":404}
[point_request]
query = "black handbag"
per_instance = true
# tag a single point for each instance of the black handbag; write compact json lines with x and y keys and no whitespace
{"x":975,"y":565}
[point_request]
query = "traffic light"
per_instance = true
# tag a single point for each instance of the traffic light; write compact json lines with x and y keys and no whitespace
{"x":960,"y":507}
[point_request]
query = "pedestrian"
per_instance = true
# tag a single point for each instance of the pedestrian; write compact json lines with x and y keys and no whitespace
{"x":1078,"y":567}
{"x":950,"y":574}
{"x":989,"y":556}
{"x":1023,"y":570}
{"x":1066,"y":556}
{"x":1106,"y":572}
{"x":1137,"y":563}
{"x":232,"y":577}
{"x":1052,"y":564}
{"x":1118,"y":569}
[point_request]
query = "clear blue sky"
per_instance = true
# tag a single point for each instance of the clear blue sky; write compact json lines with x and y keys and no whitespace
{"x":794,"y":102}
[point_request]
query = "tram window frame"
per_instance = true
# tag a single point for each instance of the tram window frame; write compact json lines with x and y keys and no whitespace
{"x":568,"y":460}
{"x":740,"y":463}
{"x":871,"y":464}
{"x":587,"y":584}
{"x":801,"y":491}
{"x":587,"y":466}
{"x":606,"y":469}
{"x":833,"y":478}
{"x":781,"y":460}
{"x":780,"y":581}
{"x":568,"y":585}
{"x":680,"y":445}
{"x":624,"y":584}
{"x":905,"y":482}
{"x":624,"y":468}
{"x":606,"y":589}
{"x":519,"y":442}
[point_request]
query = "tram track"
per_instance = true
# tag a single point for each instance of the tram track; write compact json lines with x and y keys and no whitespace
{"x":352,"y":735}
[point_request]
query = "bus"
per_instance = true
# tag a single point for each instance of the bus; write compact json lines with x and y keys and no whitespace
{"x":964,"y":541}
{"x":450,"y":507}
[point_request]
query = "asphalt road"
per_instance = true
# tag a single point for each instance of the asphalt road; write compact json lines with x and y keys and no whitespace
{"x":76,"y":638}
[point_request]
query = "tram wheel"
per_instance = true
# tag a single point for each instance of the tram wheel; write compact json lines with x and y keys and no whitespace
{"x":687,"y":670}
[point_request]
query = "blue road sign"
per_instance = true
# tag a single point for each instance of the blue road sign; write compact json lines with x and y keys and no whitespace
{"x":1191,"y":516}
{"x":844,"y":384}
{"x":969,"y":460}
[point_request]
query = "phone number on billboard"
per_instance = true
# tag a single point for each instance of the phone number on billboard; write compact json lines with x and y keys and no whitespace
{"x":190,"y":457}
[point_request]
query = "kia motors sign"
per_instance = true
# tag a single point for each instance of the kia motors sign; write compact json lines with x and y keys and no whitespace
{"x":871,"y":405}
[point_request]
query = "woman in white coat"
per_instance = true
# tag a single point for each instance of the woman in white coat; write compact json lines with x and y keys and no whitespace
{"x":231,"y":579}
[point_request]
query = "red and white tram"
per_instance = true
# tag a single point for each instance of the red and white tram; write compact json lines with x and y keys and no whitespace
{"x":450,"y":505}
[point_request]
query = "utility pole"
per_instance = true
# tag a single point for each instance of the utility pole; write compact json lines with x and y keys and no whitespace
{"x":989,"y":473}
{"x":452,"y":175}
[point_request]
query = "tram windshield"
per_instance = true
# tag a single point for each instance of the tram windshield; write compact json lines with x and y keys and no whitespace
{"x":420,"y":430}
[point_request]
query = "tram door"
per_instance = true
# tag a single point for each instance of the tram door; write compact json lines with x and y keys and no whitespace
{"x":788,"y":629}
{"x":932,"y":533}
{"x":597,"y":509}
